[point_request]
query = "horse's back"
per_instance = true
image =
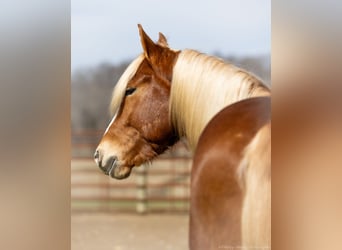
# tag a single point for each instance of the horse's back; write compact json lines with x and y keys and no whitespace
{"x":236,"y":125}
{"x":217,"y":197}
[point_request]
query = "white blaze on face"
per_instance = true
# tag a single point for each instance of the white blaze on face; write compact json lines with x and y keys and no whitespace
{"x":110,"y":124}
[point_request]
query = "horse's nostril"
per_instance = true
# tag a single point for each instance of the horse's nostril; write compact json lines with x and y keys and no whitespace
{"x":96,"y":155}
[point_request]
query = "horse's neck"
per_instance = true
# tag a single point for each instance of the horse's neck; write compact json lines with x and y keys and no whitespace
{"x":201,"y":87}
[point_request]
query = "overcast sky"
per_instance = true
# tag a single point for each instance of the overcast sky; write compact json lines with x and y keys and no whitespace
{"x":106,"y":30}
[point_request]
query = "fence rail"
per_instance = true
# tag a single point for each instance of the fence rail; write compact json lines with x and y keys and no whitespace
{"x":162,"y":186}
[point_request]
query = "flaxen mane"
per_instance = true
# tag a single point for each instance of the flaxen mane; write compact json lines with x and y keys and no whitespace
{"x":201,"y":86}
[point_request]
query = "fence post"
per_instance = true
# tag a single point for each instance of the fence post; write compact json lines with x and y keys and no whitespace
{"x":141,"y":195}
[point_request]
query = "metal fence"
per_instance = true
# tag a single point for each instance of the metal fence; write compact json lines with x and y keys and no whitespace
{"x":162,"y":186}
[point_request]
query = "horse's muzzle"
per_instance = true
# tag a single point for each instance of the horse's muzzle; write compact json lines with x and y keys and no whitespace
{"x":108,"y":166}
{"x":111,"y":166}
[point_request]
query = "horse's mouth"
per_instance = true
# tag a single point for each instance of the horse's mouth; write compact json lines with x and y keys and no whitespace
{"x":117,"y":171}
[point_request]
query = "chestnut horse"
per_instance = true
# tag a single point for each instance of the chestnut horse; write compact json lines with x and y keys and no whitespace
{"x":223,"y":112}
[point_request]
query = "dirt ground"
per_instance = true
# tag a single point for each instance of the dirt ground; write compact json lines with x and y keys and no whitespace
{"x":129,"y":232}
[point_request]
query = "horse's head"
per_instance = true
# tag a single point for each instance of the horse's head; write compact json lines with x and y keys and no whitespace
{"x":141,"y":127}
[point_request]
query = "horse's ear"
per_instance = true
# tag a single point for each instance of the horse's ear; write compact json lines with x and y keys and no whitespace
{"x":162,"y":40}
{"x":149,"y":47}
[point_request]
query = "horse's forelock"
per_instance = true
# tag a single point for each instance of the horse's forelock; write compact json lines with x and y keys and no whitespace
{"x":120,"y":88}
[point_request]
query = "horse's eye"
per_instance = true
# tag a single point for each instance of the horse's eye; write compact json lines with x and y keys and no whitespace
{"x":129,"y":91}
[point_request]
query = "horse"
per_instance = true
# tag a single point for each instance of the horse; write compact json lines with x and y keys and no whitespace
{"x":224,"y":114}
